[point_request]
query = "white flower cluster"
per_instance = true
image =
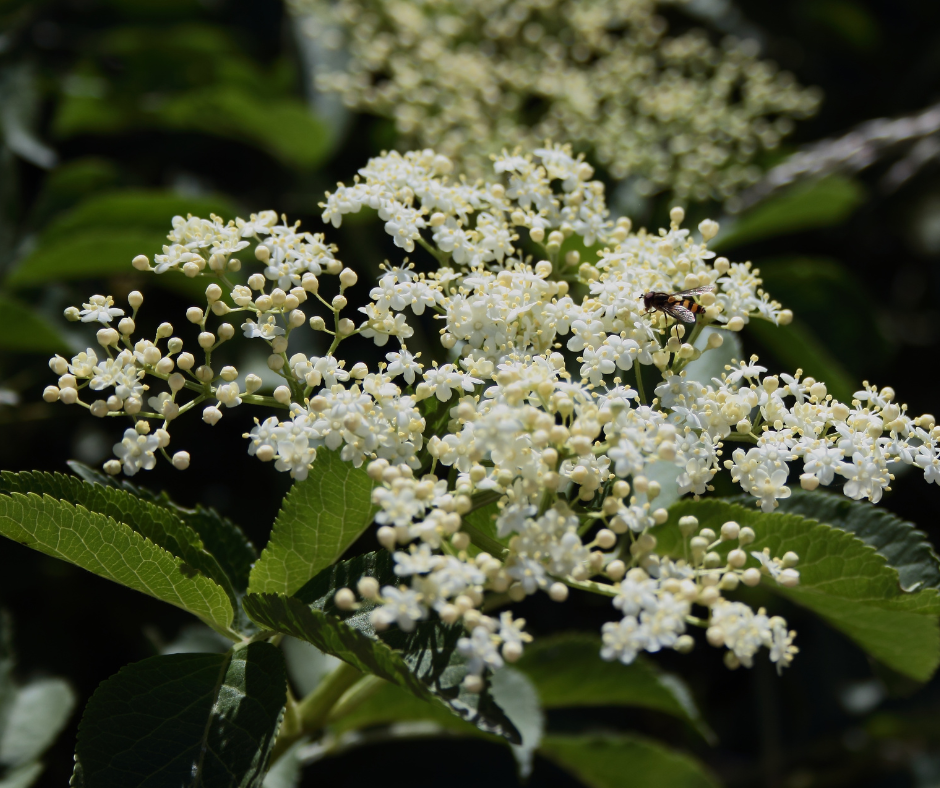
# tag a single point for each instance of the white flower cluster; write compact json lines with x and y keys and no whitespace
{"x":525,"y":462}
{"x":676,"y":113}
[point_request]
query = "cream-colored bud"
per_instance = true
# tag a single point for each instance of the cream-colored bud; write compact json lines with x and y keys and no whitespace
{"x":784,"y":317}
{"x":736,"y":323}
{"x":275,"y":362}
{"x":141,"y":262}
{"x":194,"y":314}
{"x":99,"y":408}
{"x":789,"y":578}
{"x":252,"y":382}
{"x":58,"y":365}
{"x":297,"y":318}
{"x":347,"y":278}
{"x":72,"y":314}
{"x":213,"y":292}
{"x":256,"y":281}
{"x":50,"y":393}
{"x":164,"y":330}
{"x":737,"y":558}
{"x":228,"y":373}
{"x":751,"y":577}
{"x":558,"y":592}
{"x":107,"y":336}
{"x":368,"y":587}
{"x":339,"y":302}
{"x":185,"y":361}
{"x":132,"y":405}
{"x":112,"y":467}
{"x":344,"y":599}
{"x":170,"y":410}
{"x":605,"y":539}
{"x":142,"y":427}
{"x":176,"y":381}
{"x":708,"y":228}
{"x":746,"y":536}
{"x":206,"y":340}
{"x":211,"y":415}
{"x":264,"y":303}
{"x":677,"y":215}
{"x":181,"y":460}
{"x":808,"y":481}
{"x":204,"y":373}
{"x":715,"y":340}
{"x":310,"y":283}
{"x":165,"y":365}
{"x":278,"y":296}
{"x":345,"y":327}
{"x":265,"y":453}
{"x":191,"y":270}
{"x":262,"y":253}
{"x":220,"y":308}
{"x":616,"y":569}
{"x":282,"y":395}
{"x":68,"y":396}
{"x":537,"y":234}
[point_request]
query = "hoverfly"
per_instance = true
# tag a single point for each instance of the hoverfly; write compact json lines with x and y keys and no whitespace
{"x":678,"y":305}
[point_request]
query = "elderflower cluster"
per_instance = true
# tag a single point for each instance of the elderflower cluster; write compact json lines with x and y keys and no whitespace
{"x":676,"y":113}
{"x":523,"y":456}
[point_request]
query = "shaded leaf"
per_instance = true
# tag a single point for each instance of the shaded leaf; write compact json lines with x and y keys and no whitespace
{"x":184,"y":719}
{"x":112,"y":550}
{"x":568,"y":672}
{"x":804,"y":206}
{"x":424,"y":662}
{"x":842,"y":579}
{"x":22,"y":776}
{"x":26,"y":331}
{"x":614,"y":761}
{"x":101,"y":235}
{"x":319,"y":518}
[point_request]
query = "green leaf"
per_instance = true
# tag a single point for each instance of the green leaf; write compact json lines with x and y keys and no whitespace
{"x":115,"y":551}
{"x":424,"y":662}
{"x":154,"y":523}
{"x":319,"y":519}
{"x":517,"y":696}
{"x":842,"y":579}
{"x":34,"y":719}
{"x":614,"y":761}
{"x":26,"y":331}
{"x":795,"y":347}
{"x":221,"y":537}
{"x":568,"y":672}
{"x":906,"y":549}
{"x":804,"y":206}
{"x":480,"y":526}
{"x":101,"y":235}
{"x":22,"y":776}
{"x":184,"y":719}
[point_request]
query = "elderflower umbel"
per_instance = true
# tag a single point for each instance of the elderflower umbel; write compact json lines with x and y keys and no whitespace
{"x":678,"y":113}
{"x":540,"y":416}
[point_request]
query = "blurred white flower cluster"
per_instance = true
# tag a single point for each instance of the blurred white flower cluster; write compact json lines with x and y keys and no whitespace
{"x":522,"y":458}
{"x":677,"y":113}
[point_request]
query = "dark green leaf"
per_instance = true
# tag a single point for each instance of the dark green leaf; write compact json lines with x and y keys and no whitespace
{"x":100,"y":236}
{"x":616,"y":761}
{"x":568,"y":672}
{"x":113,"y":550}
{"x":803,"y":206}
{"x":842,"y":579}
{"x":425,"y":662}
{"x":904,"y":547}
{"x":26,"y":331}
{"x":207,"y":720}
{"x":320,"y":517}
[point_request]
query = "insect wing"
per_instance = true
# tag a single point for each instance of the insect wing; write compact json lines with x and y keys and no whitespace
{"x":694,"y":291}
{"x":679,"y":312}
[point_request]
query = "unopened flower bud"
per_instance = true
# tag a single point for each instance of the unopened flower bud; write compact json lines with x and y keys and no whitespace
{"x":141,"y":262}
{"x":181,"y":460}
{"x":211,"y":415}
{"x":194,"y":315}
{"x":344,"y":599}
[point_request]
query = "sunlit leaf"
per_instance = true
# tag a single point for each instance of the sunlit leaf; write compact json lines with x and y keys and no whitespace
{"x":320,"y":517}
{"x":112,"y":550}
{"x":842,"y":579}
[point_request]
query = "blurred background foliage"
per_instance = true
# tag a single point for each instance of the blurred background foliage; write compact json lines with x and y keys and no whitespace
{"x":117,"y":114}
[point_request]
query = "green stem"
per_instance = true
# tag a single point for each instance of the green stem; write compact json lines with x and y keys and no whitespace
{"x":605,"y":589}
{"x":639,"y":383}
{"x":310,"y":715}
{"x":355,"y":696}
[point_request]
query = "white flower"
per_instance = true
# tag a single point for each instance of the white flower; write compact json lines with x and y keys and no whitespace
{"x":137,"y":451}
{"x":402,"y":607}
{"x":623,"y":640}
{"x":101,"y":309}
{"x":481,"y":651}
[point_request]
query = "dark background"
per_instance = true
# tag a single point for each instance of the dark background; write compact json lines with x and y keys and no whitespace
{"x":872,"y":302}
